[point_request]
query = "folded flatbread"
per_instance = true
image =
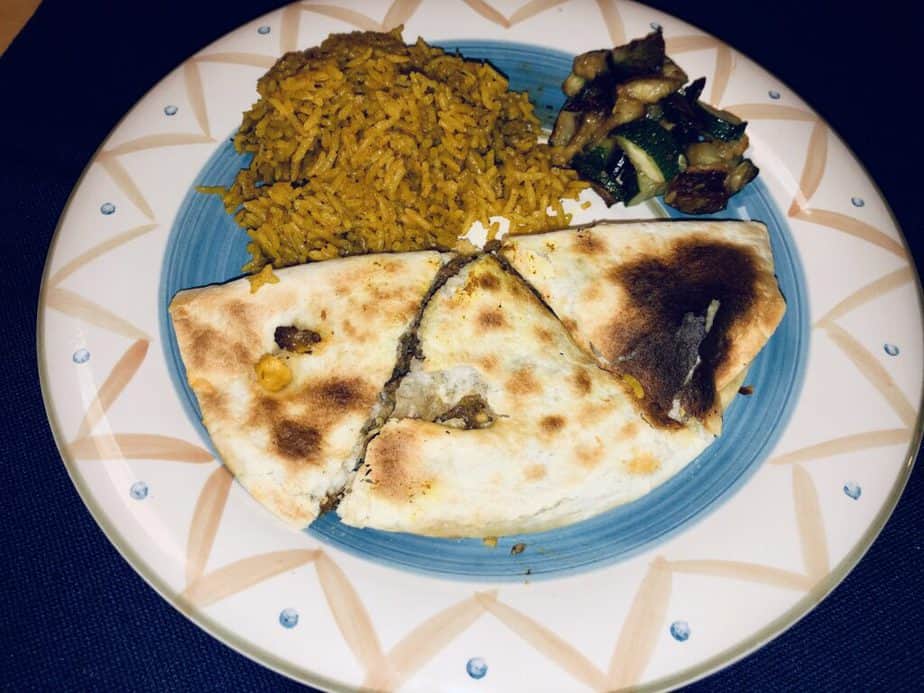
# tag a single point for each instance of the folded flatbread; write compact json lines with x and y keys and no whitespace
{"x":289,"y":378}
{"x":504,"y":425}
{"x":678,"y":308}
{"x":573,"y":372}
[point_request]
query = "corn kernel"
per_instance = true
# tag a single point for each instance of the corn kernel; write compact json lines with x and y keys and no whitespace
{"x":273,"y":373}
{"x":634,"y":385}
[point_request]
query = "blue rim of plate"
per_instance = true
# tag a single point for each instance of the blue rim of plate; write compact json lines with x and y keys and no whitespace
{"x":205,"y":246}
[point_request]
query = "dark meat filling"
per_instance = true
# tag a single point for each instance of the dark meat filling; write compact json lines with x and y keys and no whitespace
{"x":669,"y":326}
{"x":472,"y":410}
{"x":294,"y":339}
{"x":675,"y":355}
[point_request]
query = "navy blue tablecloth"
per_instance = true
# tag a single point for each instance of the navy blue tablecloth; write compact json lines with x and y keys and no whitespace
{"x":75,"y":616}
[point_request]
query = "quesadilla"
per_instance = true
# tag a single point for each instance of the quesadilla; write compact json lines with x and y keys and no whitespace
{"x":504,"y":425}
{"x":289,"y":378}
{"x":679,"y":309}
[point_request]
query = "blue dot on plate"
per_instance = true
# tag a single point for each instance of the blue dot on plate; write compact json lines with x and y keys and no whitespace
{"x":857,"y":201}
{"x":852,"y":489}
{"x":288,"y":618}
{"x":107,"y":208}
{"x":680,"y":631}
{"x":655,"y":26}
{"x":81,"y":356}
{"x":263,"y":30}
{"x":139,"y":490}
{"x":476,"y":667}
{"x":773,"y":94}
{"x":170,"y":109}
{"x":891,"y":349}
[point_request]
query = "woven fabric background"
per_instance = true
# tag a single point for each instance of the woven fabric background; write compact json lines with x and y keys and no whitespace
{"x":76,"y":617}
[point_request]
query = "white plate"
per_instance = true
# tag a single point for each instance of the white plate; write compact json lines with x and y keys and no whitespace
{"x":747,"y":562}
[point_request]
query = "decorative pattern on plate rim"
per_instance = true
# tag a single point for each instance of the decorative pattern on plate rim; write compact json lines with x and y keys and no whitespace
{"x":636,"y":638}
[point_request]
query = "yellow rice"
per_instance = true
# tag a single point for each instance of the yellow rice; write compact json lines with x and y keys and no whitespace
{"x":365,"y":144}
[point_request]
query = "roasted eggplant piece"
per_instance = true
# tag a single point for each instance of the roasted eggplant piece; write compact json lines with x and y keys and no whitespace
{"x":643,"y":56}
{"x":720,"y":124}
{"x":609,"y":87}
{"x":698,"y":191}
{"x":565,"y":128}
{"x":740,"y":176}
{"x":680,"y":115}
{"x":582,"y":113}
{"x":694,"y":90}
{"x":715,"y":152}
{"x":632,"y":130}
{"x":706,"y":188}
{"x":592,"y":64}
{"x":596,"y":95}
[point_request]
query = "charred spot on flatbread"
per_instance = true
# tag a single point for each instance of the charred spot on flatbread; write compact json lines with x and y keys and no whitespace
{"x":211,"y":400}
{"x":299,"y":422}
{"x":488,"y":282}
{"x":643,"y":464}
{"x":588,"y":243}
{"x":492,"y":319}
{"x":581,"y":381}
{"x":629,"y":430}
{"x":209,"y":347}
{"x":589,"y":457}
{"x":552,"y":424}
{"x":264,"y":409}
{"x":489,"y":363}
{"x":243,"y":315}
{"x":523,"y":382}
{"x":535,"y":472}
{"x":665,"y":341}
{"x":344,"y":394}
{"x":391,"y":266}
{"x":296,"y":440}
{"x":393,"y":474}
{"x":545,"y":335}
{"x":592,"y":292}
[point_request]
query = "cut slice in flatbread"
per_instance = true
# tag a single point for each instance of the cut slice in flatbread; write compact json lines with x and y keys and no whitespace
{"x":289,"y":378}
{"x":504,"y":425}
{"x":678,"y":308}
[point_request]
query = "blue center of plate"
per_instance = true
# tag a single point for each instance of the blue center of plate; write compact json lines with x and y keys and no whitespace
{"x":207,"y":247}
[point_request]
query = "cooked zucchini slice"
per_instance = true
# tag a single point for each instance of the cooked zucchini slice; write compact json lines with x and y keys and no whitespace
{"x":720,"y":124}
{"x":647,"y":189}
{"x":652,"y":149}
{"x":609,"y":171}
